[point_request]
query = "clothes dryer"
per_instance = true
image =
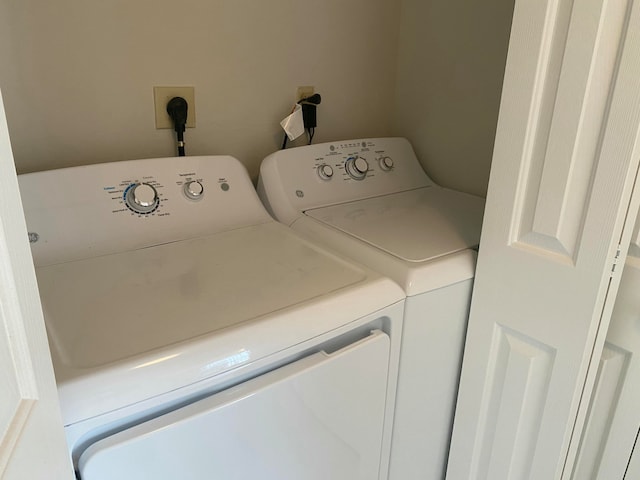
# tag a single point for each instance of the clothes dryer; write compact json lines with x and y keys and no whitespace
{"x":194,"y":337}
{"x":370,"y":199}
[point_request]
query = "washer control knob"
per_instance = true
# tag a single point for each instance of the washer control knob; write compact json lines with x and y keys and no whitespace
{"x":356,"y":167}
{"x":193,"y":190}
{"x":361,"y":165}
{"x":386,"y":163}
{"x":142,"y":198}
{"x":325,"y":171}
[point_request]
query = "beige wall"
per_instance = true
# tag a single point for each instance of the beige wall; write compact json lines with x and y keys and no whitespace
{"x":77,"y":76}
{"x":450,"y":68}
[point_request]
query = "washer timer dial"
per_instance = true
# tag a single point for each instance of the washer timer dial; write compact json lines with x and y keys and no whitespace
{"x":141,"y":197}
{"x":356,"y":167}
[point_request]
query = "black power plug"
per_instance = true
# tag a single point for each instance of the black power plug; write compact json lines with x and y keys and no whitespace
{"x":177,"y":108}
{"x":309,"y":118}
{"x":309,"y":105}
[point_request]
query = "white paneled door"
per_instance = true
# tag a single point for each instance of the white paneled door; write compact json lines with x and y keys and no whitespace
{"x":562,"y":178}
{"x":611,"y":429}
{"x":32,"y":444}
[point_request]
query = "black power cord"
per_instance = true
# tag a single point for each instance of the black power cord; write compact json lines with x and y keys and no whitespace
{"x":177,"y":109}
{"x":309,"y":117}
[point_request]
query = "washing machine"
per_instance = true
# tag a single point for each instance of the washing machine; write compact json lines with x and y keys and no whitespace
{"x":194,"y":337}
{"x":371,"y":200}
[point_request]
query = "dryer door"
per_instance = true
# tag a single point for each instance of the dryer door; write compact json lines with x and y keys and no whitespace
{"x":315,"y":419}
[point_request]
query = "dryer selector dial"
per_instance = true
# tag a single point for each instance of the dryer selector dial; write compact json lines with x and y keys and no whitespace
{"x":193,"y":190}
{"x":356,"y":167}
{"x":325,"y":172}
{"x":142,"y":198}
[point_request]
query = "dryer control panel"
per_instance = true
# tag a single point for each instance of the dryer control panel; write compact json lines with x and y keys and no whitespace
{"x":94,"y":210}
{"x":298,"y":179}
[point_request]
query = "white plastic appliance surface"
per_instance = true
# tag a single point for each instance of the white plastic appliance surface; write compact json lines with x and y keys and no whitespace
{"x":416,"y":226}
{"x":398,"y":222}
{"x":146,"y":311}
{"x":83,"y":434}
{"x":122,"y":297}
{"x":290,"y":183}
{"x":415,"y":278}
{"x":80,"y":212}
{"x":393,"y":220}
{"x":318,"y":418}
{"x":152,"y":320}
{"x":430,"y":363}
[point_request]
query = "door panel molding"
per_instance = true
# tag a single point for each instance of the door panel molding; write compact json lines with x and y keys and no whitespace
{"x":519,"y":373}
{"x":569,"y":102}
{"x":604,"y":400}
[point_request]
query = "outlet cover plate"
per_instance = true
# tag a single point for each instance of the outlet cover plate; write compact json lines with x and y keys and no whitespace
{"x":162,"y":95}
{"x":304,"y":92}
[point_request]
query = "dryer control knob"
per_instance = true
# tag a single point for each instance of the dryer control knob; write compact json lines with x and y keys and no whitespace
{"x":142,"y":198}
{"x":325,"y":171}
{"x":386,"y":163}
{"x":356,"y":167}
{"x":193,"y":190}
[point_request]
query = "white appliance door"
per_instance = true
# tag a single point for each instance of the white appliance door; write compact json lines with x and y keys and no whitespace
{"x":563,"y":172}
{"x":315,"y":419}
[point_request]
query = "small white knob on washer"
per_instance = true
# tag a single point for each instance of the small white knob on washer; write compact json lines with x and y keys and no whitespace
{"x":193,"y":190}
{"x":142,"y":198}
{"x":325,"y":171}
{"x":386,"y":163}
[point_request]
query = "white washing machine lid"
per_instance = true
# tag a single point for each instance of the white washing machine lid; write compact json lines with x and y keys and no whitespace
{"x":416,"y":226}
{"x":128,"y":326}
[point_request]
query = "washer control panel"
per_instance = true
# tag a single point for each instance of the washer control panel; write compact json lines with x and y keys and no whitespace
{"x":100,"y":209}
{"x":153,"y":195}
{"x":298,"y":179}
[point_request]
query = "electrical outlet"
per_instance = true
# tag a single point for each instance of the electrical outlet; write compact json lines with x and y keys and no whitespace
{"x":162,"y":95}
{"x":304,"y":92}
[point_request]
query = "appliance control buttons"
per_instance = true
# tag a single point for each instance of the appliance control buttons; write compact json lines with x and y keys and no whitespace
{"x":325,"y":171}
{"x":386,"y":163}
{"x":356,"y":167}
{"x":193,"y":190}
{"x":141,"y":198}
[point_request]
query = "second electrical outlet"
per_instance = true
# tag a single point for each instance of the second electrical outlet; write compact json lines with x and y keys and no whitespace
{"x":304,"y":92}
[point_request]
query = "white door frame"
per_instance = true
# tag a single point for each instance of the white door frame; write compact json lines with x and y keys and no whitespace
{"x":32,"y":443}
